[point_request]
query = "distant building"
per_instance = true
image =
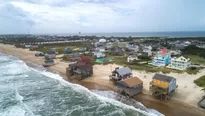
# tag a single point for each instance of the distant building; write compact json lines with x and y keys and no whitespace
{"x":115,"y":50}
{"x":132,"y":58}
{"x":32,"y":47}
{"x":180,"y":63}
{"x":98,"y":55}
{"x":146,"y":53}
{"x":162,"y":58}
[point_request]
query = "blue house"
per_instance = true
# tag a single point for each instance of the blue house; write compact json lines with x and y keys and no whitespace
{"x":68,"y":51}
{"x":162,"y":58}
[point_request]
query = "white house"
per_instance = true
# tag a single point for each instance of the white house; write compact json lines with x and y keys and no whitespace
{"x":131,"y":58}
{"x":146,"y":52}
{"x":180,"y":63}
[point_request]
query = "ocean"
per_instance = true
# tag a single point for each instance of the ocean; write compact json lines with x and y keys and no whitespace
{"x":144,"y":34}
{"x":29,"y":91}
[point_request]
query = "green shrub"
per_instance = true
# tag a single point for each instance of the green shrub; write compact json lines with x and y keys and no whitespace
{"x":200,"y":82}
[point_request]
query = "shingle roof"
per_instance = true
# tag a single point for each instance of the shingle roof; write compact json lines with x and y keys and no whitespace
{"x":133,"y":81}
{"x":163,"y":78}
{"x":123,"y":71}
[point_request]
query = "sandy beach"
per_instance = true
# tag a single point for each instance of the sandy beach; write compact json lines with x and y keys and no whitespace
{"x":183,"y":103}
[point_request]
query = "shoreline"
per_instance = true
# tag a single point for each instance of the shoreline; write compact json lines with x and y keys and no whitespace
{"x":167,"y":108}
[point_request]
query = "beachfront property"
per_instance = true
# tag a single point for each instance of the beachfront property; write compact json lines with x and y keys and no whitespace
{"x":48,"y":62}
{"x":163,"y":86}
{"x":180,"y":63}
{"x":50,"y":55}
{"x":127,"y":84}
{"x":80,"y":69}
{"x":74,"y":57}
{"x":132,"y":58}
{"x":162,"y":58}
{"x":121,"y":73}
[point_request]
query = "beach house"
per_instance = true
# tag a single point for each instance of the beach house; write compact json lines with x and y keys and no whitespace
{"x":50,"y":55}
{"x":80,"y":69}
{"x":163,"y":86}
{"x":127,"y":85}
{"x":121,"y":73}
{"x":162,"y":58}
{"x":180,"y":63}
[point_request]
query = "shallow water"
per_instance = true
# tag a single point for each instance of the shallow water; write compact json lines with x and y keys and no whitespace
{"x":25,"y":91}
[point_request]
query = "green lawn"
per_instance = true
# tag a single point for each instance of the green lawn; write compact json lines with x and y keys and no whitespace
{"x":121,"y":60}
{"x":197,"y":59}
{"x":200,"y":82}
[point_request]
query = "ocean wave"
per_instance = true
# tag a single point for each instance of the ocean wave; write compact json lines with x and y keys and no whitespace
{"x":88,"y":93}
{"x":26,"y":106}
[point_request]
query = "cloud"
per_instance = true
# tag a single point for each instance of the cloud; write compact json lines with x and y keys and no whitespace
{"x":68,"y":16}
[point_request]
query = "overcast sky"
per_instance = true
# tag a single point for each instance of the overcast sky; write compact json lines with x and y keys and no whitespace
{"x":88,"y":16}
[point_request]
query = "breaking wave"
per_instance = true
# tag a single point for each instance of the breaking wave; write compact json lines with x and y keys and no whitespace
{"x":27,"y":91}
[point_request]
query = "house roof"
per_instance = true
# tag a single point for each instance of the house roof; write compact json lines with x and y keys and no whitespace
{"x":163,"y":78}
{"x":51,"y":52}
{"x":123,"y":71}
{"x":163,"y":51}
{"x":182,"y":58}
{"x":133,"y":81}
{"x":82,"y":65}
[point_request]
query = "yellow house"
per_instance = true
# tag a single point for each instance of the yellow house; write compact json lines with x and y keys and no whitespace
{"x":180,"y":63}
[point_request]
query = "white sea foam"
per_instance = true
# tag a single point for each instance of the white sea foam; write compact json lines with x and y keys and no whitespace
{"x":25,"y":110}
{"x":24,"y":106}
{"x":14,"y":111}
{"x":81,"y":89}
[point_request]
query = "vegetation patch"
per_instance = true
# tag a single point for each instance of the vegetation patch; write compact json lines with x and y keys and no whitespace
{"x":200,"y":82}
{"x":197,"y":59}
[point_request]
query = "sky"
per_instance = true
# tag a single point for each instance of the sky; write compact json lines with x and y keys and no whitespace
{"x":96,"y":16}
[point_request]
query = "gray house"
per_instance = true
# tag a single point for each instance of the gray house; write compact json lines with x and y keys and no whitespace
{"x":127,"y":84}
{"x":115,"y":50}
{"x":120,"y":73}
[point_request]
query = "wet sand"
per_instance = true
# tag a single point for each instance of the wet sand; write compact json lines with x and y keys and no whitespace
{"x":99,"y":82}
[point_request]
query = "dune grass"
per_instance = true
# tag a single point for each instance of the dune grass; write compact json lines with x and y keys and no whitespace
{"x":200,"y":82}
{"x":197,"y":59}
